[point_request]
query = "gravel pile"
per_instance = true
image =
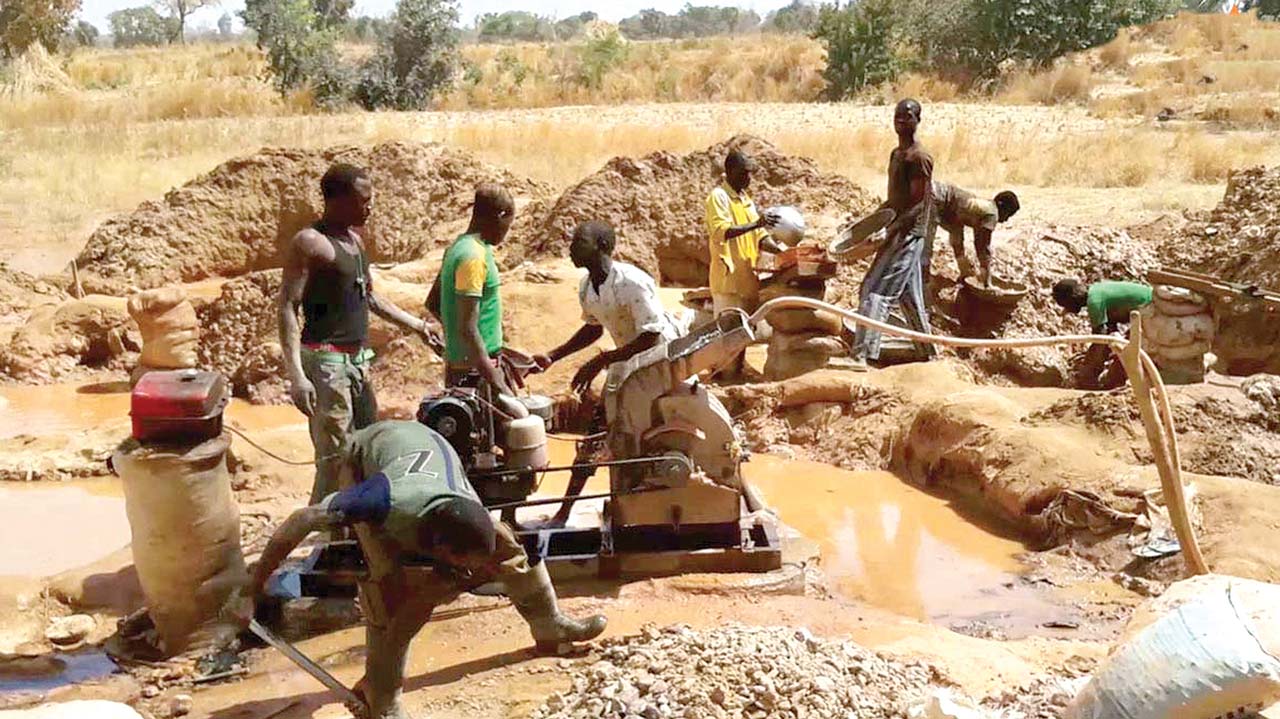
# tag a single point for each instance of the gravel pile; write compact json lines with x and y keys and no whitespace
{"x":739,"y":671}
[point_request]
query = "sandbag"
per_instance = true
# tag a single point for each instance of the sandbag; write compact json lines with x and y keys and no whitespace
{"x":786,"y":365}
{"x":774,"y":290}
{"x":1178,"y":302}
{"x":169,"y":326}
{"x":186,"y":534}
{"x":808,"y":343}
{"x":86,"y":709}
{"x":796,"y":321}
{"x":1178,"y":354}
{"x":1206,"y":649}
{"x":1177,"y":331}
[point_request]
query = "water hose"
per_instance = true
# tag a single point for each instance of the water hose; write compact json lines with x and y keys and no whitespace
{"x":1148,"y":390}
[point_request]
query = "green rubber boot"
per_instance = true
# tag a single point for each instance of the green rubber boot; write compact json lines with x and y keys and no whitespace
{"x":535,"y":598}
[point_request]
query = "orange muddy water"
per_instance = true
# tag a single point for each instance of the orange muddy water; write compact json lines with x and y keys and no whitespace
{"x":68,"y":407}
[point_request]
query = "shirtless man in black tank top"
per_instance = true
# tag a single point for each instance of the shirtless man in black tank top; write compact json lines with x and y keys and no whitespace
{"x":326,"y":275}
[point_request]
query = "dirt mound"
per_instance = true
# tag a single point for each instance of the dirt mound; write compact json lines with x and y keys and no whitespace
{"x":1221,"y":430}
{"x":1238,"y":240}
{"x":59,"y":340}
{"x":237,"y":329}
{"x":739,"y":671}
{"x":657,"y":204}
{"x":1038,"y":257}
{"x":19,"y":292}
{"x":234,"y":219}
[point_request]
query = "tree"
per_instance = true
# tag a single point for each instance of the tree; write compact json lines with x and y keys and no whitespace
{"x":799,"y":17}
{"x":301,"y":52}
{"x":180,"y":10}
{"x":514,"y":25}
{"x":333,"y":13}
{"x":140,"y":26}
{"x":84,"y":34}
{"x":26,"y":22}
{"x":860,"y":41}
{"x":224,"y":25}
{"x":416,"y":57}
{"x":572,"y":26}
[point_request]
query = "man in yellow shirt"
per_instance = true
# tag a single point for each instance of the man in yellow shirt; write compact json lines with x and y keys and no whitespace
{"x":736,"y":233}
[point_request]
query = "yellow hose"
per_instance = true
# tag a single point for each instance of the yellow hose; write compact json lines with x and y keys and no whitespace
{"x":1148,"y":387}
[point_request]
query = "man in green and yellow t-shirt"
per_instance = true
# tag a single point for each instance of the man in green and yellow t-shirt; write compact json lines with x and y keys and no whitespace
{"x":466,"y":296}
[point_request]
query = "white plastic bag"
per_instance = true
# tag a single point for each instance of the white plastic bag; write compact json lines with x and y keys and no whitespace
{"x":1210,"y":656}
{"x":790,"y":227}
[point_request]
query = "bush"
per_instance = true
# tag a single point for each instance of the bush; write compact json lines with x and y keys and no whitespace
{"x":301,"y":52}
{"x":26,"y":22}
{"x":83,"y":34}
{"x":860,"y":42}
{"x":799,"y":17}
{"x":416,"y":57}
{"x":603,"y":50}
{"x":141,"y":26}
{"x":514,"y":25}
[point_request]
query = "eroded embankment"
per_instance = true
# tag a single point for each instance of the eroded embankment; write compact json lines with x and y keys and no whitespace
{"x":1056,"y":482}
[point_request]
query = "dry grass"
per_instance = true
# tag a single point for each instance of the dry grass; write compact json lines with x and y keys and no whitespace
{"x":764,"y":69}
{"x":1116,"y":54}
{"x":1065,"y":83}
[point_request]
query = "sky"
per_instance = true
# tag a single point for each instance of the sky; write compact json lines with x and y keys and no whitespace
{"x":96,"y":11}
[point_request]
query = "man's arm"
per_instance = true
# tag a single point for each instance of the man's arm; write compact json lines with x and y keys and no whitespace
{"x":982,"y":246}
{"x":293,"y":283}
{"x":433,"y":300}
{"x":473,"y":343}
{"x":392,"y":313}
{"x":287,"y":538}
{"x":587,"y":372}
{"x":586,"y":336}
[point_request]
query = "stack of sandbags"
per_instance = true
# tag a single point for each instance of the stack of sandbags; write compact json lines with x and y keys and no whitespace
{"x":1177,"y":331}
{"x":170,"y":329}
{"x":803,"y":340}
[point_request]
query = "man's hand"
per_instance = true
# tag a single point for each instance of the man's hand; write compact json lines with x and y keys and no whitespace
{"x":543,"y":362}
{"x":303,"y":394}
{"x":586,"y":374}
{"x":767,"y":220}
{"x":431,"y":336}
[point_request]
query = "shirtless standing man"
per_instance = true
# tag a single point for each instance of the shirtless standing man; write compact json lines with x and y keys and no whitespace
{"x":897,"y":274}
{"x":326,"y":360}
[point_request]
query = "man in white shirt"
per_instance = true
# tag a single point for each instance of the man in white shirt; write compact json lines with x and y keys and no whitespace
{"x":621,"y":299}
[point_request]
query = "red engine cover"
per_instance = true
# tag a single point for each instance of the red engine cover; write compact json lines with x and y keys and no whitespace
{"x":178,"y":405}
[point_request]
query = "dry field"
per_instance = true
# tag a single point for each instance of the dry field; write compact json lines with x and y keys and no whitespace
{"x":96,"y":133}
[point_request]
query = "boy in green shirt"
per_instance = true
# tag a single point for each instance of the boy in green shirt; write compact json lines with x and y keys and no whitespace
{"x":1108,"y":302}
{"x":405,"y":494}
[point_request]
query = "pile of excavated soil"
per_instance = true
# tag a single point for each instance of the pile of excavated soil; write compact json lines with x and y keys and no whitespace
{"x":1238,"y":240}
{"x":20,"y":292}
{"x":236,"y":218}
{"x":1221,"y":430}
{"x":1037,"y":257}
{"x":71,"y":338}
{"x":657,"y":205}
{"x":239,"y":336}
{"x":739,"y":671}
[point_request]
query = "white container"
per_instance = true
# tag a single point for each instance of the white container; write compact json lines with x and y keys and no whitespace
{"x":525,"y":443}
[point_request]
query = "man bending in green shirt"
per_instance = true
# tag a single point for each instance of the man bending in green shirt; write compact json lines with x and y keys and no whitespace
{"x":405,"y":494}
{"x":1109,"y":302}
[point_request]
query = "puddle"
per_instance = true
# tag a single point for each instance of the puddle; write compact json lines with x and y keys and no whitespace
{"x":56,"y":408}
{"x":51,"y":527}
{"x":37,"y":675}
{"x":902,"y":549}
